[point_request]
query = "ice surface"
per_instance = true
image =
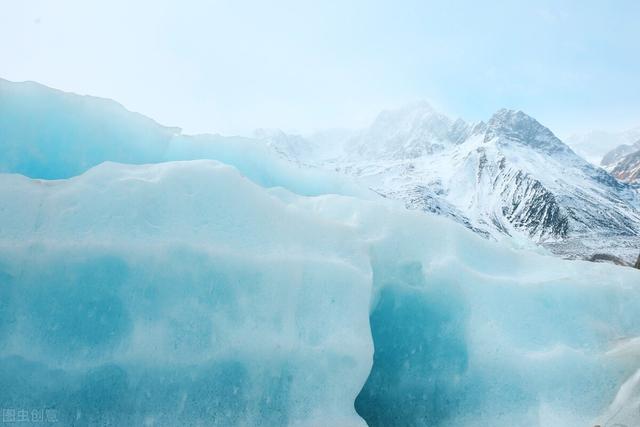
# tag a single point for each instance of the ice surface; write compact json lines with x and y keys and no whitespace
{"x":470,"y":333}
{"x":178,"y":294}
{"x":182,"y":293}
{"x":49,"y":134}
{"x":240,"y":292}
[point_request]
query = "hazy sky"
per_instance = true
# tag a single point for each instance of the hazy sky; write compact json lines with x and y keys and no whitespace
{"x":233,"y":66}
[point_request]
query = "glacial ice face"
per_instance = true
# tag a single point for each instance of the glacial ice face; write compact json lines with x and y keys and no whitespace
{"x":471,"y":333}
{"x":199,"y":293}
{"x":50,"y":134}
{"x":45,"y":133}
{"x":183,"y":293}
{"x":178,"y":294}
{"x":465,"y":335}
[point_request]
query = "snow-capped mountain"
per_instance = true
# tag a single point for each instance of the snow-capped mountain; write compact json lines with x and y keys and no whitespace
{"x":411,"y":132}
{"x":624,"y":162}
{"x":595,"y":144}
{"x":628,"y":167}
{"x":611,"y":159}
{"x":510,"y":176}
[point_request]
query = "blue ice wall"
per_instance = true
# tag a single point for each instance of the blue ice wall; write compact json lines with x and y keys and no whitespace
{"x":467,"y":333}
{"x":219,"y":293}
{"x":177,"y":294}
{"x":49,"y":134}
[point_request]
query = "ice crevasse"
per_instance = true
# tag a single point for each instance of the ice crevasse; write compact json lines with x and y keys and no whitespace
{"x":224,"y":292}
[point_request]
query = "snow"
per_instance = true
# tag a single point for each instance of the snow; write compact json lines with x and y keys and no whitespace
{"x":595,"y":144}
{"x":245,"y":290}
{"x":510,"y":177}
{"x":408,"y":132}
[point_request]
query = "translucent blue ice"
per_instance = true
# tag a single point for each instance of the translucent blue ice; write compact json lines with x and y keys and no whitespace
{"x":245,"y":291}
{"x":49,"y":134}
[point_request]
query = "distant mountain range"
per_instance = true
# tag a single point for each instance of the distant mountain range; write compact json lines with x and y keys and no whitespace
{"x":510,"y":176}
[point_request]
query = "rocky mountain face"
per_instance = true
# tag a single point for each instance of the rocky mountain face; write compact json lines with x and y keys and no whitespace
{"x":628,"y":168}
{"x":612,"y":157}
{"x":624,"y":162}
{"x":510,"y":176}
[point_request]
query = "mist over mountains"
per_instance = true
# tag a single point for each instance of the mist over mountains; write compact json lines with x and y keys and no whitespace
{"x":594,"y":145}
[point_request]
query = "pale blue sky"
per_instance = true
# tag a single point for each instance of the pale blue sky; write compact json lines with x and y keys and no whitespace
{"x":232,"y":66}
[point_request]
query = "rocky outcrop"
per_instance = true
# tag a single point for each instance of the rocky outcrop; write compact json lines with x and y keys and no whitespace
{"x":628,"y":168}
{"x":624,"y":162}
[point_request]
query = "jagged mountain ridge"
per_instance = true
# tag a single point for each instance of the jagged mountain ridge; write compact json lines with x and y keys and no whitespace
{"x":509,"y":176}
{"x":611,"y":158}
{"x":410,"y":132}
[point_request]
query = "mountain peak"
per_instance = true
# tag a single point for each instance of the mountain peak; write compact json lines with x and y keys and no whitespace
{"x":514,"y":122}
{"x":517,"y":126}
{"x":409,"y":132}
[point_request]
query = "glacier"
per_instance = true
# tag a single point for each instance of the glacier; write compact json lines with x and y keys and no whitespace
{"x":50,"y":134}
{"x":161,"y":295}
{"x":212,"y":283}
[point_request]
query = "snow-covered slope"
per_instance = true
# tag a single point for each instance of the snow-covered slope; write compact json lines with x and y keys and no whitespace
{"x":510,"y":176}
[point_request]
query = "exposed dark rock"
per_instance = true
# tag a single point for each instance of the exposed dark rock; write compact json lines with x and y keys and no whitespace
{"x":614,"y":156}
{"x":609,"y":258}
{"x":628,"y":168}
{"x":518,"y":126}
